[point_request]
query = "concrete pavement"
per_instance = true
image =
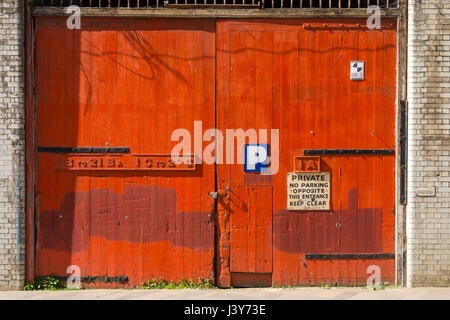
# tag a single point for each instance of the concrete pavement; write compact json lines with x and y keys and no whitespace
{"x":235,"y":294}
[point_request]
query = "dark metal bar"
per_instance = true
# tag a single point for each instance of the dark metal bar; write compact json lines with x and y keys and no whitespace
{"x":92,"y":279}
{"x":339,"y":256}
{"x":403,"y":151}
{"x":84,"y":149}
{"x":348,"y":151}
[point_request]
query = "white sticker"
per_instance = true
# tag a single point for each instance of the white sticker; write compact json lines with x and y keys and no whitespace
{"x":357,"y":70}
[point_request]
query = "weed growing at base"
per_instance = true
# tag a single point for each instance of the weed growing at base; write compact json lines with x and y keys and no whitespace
{"x":183,"y":284}
{"x":47,"y":283}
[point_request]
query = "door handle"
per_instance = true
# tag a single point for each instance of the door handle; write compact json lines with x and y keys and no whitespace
{"x":213,"y":195}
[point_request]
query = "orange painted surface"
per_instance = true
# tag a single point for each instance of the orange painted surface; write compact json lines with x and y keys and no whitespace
{"x":293,"y":75}
{"x":124,"y":83}
{"x":131,"y":82}
{"x":251,"y":229}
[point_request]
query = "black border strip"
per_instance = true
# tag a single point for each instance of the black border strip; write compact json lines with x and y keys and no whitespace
{"x":84,"y":149}
{"x":348,"y":151}
{"x":91,"y":279}
{"x":334,"y":256}
{"x":403,"y":152}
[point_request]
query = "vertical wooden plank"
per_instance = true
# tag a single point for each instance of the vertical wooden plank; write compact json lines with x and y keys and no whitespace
{"x":389,"y":113}
{"x":223,"y":102}
{"x":279,"y":230}
{"x":348,"y":173}
{"x":208,"y":63}
{"x":166,"y":60}
{"x":377,"y":200}
{"x":111,"y":196}
{"x":43,"y":38}
{"x":251,"y":230}
{"x":182,"y":111}
{"x":250,"y":123}
{"x":194,"y":40}
{"x":263,"y":232}
{"x":290,"y":131}
{"x":117,"y":137}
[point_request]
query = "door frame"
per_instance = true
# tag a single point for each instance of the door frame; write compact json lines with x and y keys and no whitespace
{"x":31,"y":14}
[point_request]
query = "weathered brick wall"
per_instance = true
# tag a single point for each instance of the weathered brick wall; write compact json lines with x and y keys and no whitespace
{"x":12,"y":143}
{"x":428,"y":210}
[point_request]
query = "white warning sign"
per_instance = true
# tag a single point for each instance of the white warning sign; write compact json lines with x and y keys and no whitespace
{"x":308,"y":190}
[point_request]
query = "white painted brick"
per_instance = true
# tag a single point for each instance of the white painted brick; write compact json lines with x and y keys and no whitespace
{"x":12,"y":144}
{"x":428,"y":226}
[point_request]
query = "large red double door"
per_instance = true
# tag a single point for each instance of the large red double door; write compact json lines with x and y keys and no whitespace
{"x":111,"y":201}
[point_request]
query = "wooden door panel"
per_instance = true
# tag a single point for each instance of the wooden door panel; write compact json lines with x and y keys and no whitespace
{"x":251,"y":229}
{"x":294,"y":75}
{"x":123,"y":83}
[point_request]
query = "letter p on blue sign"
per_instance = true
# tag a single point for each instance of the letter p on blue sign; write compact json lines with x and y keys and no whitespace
{"x":256,"y":157}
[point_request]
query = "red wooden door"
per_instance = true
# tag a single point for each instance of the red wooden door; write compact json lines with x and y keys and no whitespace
{"x":251,"y":229}
{"x":123,"y":218}
{"x":131,"y":216}
{"x":294,"y":76}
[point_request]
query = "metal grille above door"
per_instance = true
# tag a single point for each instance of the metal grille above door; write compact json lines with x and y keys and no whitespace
{"x":232,"y":4}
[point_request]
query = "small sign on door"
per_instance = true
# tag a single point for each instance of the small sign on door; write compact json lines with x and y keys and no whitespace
{"x":357,"y":70}
{"x":308,"y":190}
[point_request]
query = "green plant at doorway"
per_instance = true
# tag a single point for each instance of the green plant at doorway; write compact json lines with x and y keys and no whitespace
{"x":47,"y":283}
{"x":201,"y":283}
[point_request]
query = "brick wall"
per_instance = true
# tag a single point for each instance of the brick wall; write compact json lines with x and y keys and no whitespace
{"x":12,"y":142}
{"x":428,"y":210}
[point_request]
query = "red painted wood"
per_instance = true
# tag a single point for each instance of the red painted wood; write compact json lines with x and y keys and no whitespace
{"x":124,"y":82}
{"x":251,"y":229}
{"x":299,"y":70}
{"x":251,"y":280}
{"x":131,"y":82}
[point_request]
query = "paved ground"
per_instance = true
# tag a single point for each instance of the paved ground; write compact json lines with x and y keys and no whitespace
{"x":237,"y":294}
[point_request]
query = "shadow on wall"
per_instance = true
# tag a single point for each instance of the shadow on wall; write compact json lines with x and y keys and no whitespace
{"x":351,"y":230}
{"x":142,"y":214}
